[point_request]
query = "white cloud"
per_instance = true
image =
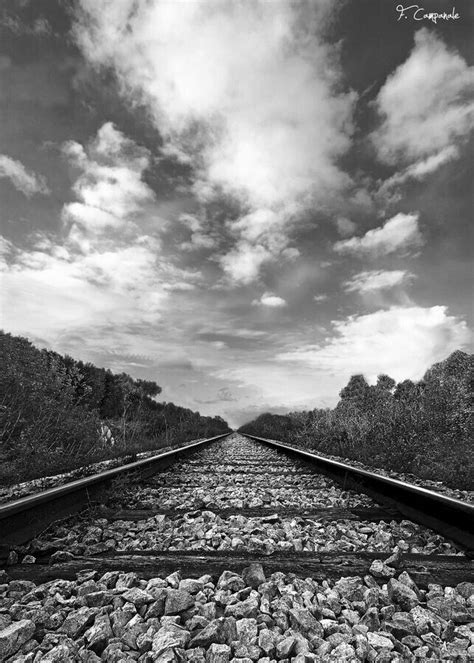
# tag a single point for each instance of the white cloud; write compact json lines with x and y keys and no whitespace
{"x":420,"y":169}
{"x":192,"y":222}
{"x":232,"y":330}
{"x":92,"y":278}
{"x":374,"y":280}
{"x":199,"y":240}
{"x":345,"y":226}
{"x":63,"y":292}
{"x":220,"y":81}
{"x":320,"y":298}
{"x":417,"y":171}
{"x":426,"y":104}
{"x":268,"y":299}
{"x":402,"y":342}
{"x":400,"y":233}
{"x":110,"y":189}
{"x":22,"y":179}
{"x":274,"y":385}
{"x":5,"y":246}
{"x":243,"y":263}
{"x":260,"y":237}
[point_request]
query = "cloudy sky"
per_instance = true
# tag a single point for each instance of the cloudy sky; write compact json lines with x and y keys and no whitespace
{"x":245,"y":201}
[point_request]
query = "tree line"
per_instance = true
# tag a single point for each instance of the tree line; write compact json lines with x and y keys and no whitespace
{"x":425,"y":427}
{"x":57,"y":413}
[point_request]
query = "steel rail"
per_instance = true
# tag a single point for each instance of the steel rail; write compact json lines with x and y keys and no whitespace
{"x":24,"y":518}
{"x":448,"y":516}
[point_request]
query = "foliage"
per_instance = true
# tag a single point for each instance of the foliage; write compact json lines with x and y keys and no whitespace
{"x":425,"y":428}
{"x":54,"y":411}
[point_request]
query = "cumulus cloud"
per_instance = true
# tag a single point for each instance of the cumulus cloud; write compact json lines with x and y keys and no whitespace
{"x":426,"y":104}
{"x":268,"y":299}
{"x":122,"y":285}
{"x":199,"y":240}
{"x":220,"y":81}
{"x":345,"y":227}
{"x":22,"y":179}
{"x":91,"y":277}
{"x":244,"y":261}
{"x":399,"y":234}
{"x":200,"y":237}
{"x":402,"y":342}
{"x":417,"y":171}
{"x":374,"y":280}
{"x":217,"y":333}
{"x":110,"y":189}
{"x":6,"y":246}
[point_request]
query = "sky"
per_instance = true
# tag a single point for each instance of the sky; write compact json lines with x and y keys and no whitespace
{"x":245,"y":201}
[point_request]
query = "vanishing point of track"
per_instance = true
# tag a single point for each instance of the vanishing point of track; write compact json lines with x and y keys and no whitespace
{"x":236,"y":550}
{"x":229,"y":501}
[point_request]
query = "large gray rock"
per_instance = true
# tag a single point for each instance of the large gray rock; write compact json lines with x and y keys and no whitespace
{"x":286,"y":647}
{"x":60,"y":557}
{"x":253,"y":575}
{"x":77,"y":621}
{"x":231,"y":581}
{"x":303,"y":621}
{"x":342,"y":652}
{"x":61,"y":654}
{"x":126,"y":580}
{"x":247,"y":631}
{"x":218,"y":654}
{"x":380,"y":569}
{"x":402,"y":595}
{"x":361,"y":645}
{"x":423,"y":619}
{"x":407,"y":580}
{"x":5,"y":620}
{"x":267,"y":641}
{"x":14,"y":636}
{"x":135,"y":627}
{"x":114,"y":652}
{"x":400,"y":625}
{"x":195,"y":655}
{"x":157,"y":608}
{"x":452,"y":607}
{"x":247,"y":608}
{"x":350,"y":588}
{"x":191,"y":585}
{"x":119,"y":620}
{"x":169,"y":637}
{"x":220,"y":631}
{"x":137,"y":596}
{"x":371,"y":619}
{"x":98,"y":636}
{"x":379,"y":640}
{"x":178,"y":600}
{"x":465,"y":589}
{"x":98,"y":599}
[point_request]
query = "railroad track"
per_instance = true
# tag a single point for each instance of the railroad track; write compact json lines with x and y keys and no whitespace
{"x":276,"y":541}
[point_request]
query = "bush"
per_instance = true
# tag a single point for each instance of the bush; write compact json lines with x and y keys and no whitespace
{"x":53,"y":411}
{"x":424,"y":428}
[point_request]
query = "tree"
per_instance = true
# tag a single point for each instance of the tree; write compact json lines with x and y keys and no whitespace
{"x":356,"y":392}
{"x":385,"y":383}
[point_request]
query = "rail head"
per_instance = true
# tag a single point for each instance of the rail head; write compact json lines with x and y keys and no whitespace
{"x":396,"y":484}
{"x":451,"y":517}
{"x":446,"y":515}
{"x":30,"y":501}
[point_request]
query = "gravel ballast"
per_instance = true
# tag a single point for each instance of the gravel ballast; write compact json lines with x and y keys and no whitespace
{"x":229,"y":475}
{"x":238,"y":617}
{"x":235,"y":617}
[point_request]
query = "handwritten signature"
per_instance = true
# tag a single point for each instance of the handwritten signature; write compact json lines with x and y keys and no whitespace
{"x":418,"y":14}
